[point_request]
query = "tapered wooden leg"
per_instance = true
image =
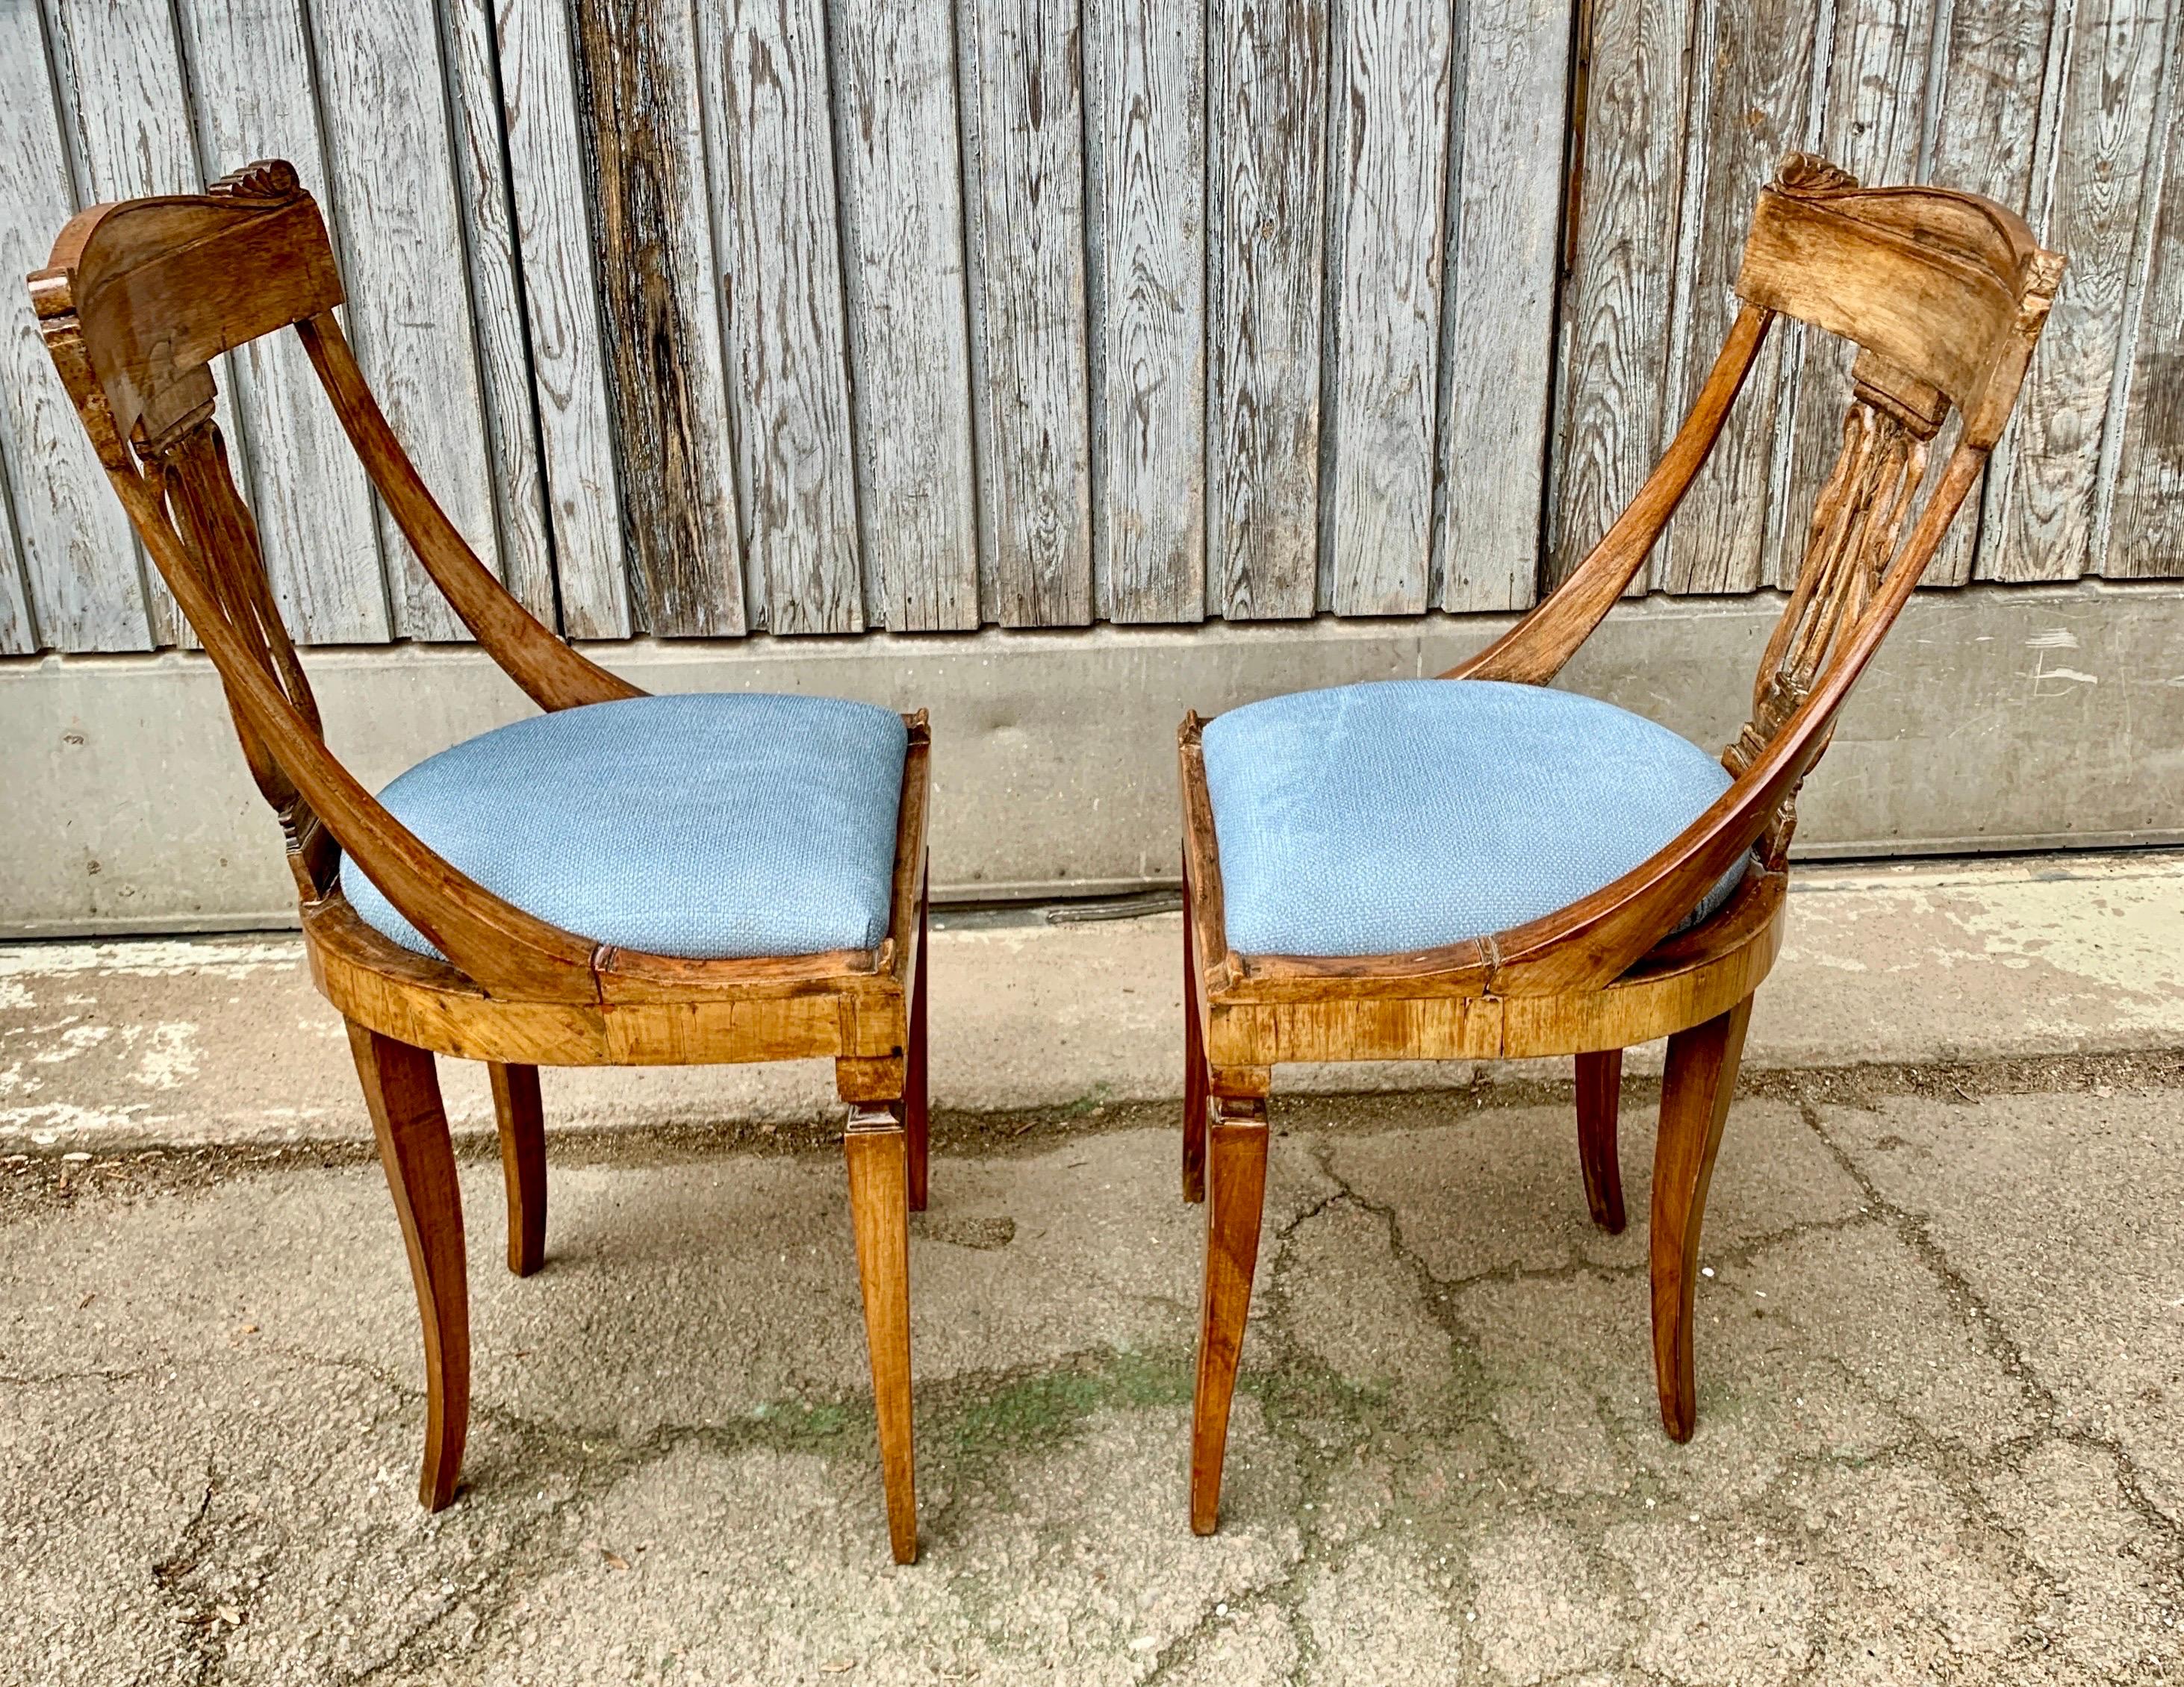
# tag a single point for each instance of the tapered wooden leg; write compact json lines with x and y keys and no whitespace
{"x":879,"y":1156}
{"x":1194,"y":1062}
{"x":1236,"y":1167}
{"x":1599,"y":1090}
{"x":1695,"y":1091}
{"x":523,"y":1118}
{"x":402,"y":1091}
{"x":914,"y":1115}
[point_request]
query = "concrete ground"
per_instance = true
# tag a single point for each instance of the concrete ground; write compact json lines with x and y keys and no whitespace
{"x":1941,"y":1359}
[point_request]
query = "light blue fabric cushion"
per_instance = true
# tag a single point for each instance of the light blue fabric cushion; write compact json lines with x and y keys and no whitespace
{"x":1379,"y":819}
{"x":705,"y":826}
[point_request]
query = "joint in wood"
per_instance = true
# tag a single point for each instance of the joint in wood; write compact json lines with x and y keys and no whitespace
{"x":1242,"y":1084}
{"x":876,"y":1079}
{"x":1239,"y":1112}
{"x":867,"y":1119}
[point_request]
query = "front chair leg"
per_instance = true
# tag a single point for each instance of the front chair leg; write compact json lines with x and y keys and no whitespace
{"x":522,"y":1118}
{"x":1236,"y":1166}
{"x":1695,"y":1091}
{"x":1599,"y":1090}
{"x":879,"y":1212}
{"x":402,"y":1090}
{"x":914,"y":1080}
{"x":1194,"y":1061}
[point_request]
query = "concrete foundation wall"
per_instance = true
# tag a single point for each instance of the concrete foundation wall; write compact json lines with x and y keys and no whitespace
{"x":1994,"y":719}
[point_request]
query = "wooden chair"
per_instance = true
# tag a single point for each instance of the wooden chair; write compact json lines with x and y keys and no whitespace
{"x":420,"y":956}
{"x":1486,"y":907}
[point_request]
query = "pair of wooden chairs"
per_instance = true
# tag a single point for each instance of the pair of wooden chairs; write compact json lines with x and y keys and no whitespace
{"x":1434,"y":870}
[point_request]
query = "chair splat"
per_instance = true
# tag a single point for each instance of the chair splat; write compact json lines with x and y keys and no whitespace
{"x":1857,"y":530}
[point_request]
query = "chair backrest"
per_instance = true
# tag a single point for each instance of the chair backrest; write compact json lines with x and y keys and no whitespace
{"x":137,"y":304}
{"x":139,"y":297}
{"x":1945,"y":295}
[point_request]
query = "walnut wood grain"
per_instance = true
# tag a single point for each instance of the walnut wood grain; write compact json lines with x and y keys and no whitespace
{"x":1944,"y":295}
{"x":1196,"y":1094}
{"x":139,"y":299}
{"x":521,"y":1117}
{"x":916,"y":1121}
{"x":1599,"y":1095}
{"x":877,"y":1154}
{"x":402,"y":1092}
{"x":1694,"y":1093}
{"x":1236,"y":1193}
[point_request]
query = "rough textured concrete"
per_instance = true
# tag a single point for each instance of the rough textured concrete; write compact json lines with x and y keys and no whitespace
{"x":1998,"y":717}
{"x":1940,"y":1345}
{"x":1940,"y":1367}
{"x":224,"y":1040}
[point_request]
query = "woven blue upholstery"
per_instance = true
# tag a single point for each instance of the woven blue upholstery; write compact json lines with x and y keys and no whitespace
{"x":1378,"y":819}
{"x":705,"y":826}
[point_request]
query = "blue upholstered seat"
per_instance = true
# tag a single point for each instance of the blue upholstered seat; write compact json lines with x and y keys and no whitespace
{"x":1383,"y":818}
{"x":705,"y":826}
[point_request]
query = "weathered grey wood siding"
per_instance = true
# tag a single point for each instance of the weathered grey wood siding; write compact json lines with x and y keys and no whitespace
{"x":2065,"y":111}
{"x":712,"y":317}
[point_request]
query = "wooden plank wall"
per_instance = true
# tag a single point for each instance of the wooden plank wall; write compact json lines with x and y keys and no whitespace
{"x":2065,"y":111}
{"x":713,"y":317}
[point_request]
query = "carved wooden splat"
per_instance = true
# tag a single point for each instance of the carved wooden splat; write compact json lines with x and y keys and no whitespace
{"x":1857,"y":529}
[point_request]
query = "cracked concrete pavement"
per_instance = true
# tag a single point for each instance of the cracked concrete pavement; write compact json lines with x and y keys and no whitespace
{"x":1941,"y":1349}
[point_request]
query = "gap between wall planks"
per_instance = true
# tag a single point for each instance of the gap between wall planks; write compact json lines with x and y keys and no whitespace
{"x":817,"y":315}
{"x":70,"y":577}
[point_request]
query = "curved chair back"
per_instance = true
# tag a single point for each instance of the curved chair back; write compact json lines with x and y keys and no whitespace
{"x":139,"y":297}
{"x":1945,"y":295}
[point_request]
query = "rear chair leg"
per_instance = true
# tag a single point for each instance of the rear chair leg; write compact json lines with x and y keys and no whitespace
{"x":402,"y":1090}
{"x":1194,"y":1061}
{"x":522,"y":1119}
{"x":878,"y":1151}
{"x":1599,"y":1089}
{"x":1695,"y":1091}
{"x":1237,"y":1186}
{"x":914,"y":1114}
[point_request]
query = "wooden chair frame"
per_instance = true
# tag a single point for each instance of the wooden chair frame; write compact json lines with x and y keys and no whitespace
{"x":1945,"y":294}
{"x":139,"y":297}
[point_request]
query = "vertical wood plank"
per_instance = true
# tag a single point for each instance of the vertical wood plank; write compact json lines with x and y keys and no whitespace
{"x":1269,"y":242}
{"x":1871,"y":127}
{"x":1751,"y":100}
{"x":1026,"y":230}
{"x":1985,"y":123}
{"x":488,"y":232}
{"x":2145,"y":519}
{"x":902,"y":192}
{"x":1147,"y":72}
{"x":2040,"y":506}
{"x":561,"y":295}
{"x":84,"y":588}
{"x":1393,"y":113}
{"x":250,"y":70}
{"x":1505,"y":259}
{"x":124,"y":100}
{"x":764,"y":82}
{"x":1609,"y":410}
{"x":18,"y":637}
{"x":637,"y":91}
{"x":392,"y":172}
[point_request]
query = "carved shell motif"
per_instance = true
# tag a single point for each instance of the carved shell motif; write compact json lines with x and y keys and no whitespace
{"x":1810,"y":173}
{"x":266,"y":179}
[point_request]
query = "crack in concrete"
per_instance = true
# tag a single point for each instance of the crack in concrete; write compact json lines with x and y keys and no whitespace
{"x":1986,"y":1327}
{"x":1312,"y":1413}
{"x":38,"y":1379}
{"x":167,"y":1574}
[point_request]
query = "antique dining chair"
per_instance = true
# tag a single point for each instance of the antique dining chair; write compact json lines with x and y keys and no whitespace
{"x":624,"y":880}
{"x":1477,"y":866}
